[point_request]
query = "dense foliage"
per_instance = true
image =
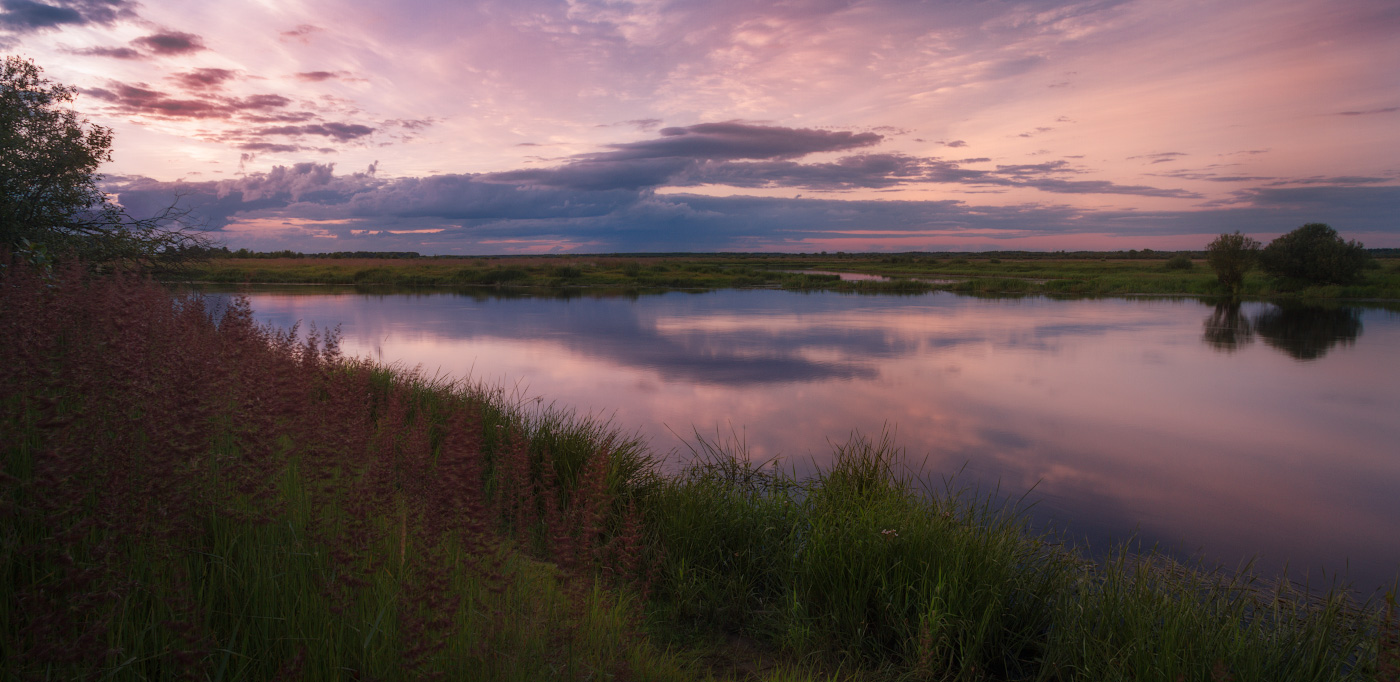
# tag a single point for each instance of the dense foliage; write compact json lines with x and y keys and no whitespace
{"x":50,"y":201}
{"x":1231,"y":256}
{"x":1316,"y":254}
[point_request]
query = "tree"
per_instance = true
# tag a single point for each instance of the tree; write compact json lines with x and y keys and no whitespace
{"x":1314,"y":253}
{"x":50,"y":201}
{"x":1231,"y":256}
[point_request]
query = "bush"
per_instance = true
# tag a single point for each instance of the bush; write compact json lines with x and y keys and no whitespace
{"x":1179,"y":262}
{"x":1231,"y":256}
{"x":1316,"y":254}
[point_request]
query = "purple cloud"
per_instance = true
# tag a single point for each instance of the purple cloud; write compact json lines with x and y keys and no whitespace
{"x":339,"y":131}
{"x":24,"y":16}
{"x":171,"y":43}
{"x":204,"y":79}
{"x":865,"y":170}
{"x":658,"y":161}
{"x":301,"y":33}
{"x":113,"y":52}
{"x":28,"y":16}
{"x":737,"y":140}
{"x":1368,"y":112}
{"x":139,"y":99}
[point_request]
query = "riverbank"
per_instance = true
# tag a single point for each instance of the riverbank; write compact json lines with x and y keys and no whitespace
{"x":994,"y":273}
{"x":187,"y":492}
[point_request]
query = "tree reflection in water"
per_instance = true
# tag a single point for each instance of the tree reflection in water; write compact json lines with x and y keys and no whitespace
{"x":1227,"y":329}
{"x":1308,"y":332}
{"x":1305,"y":332}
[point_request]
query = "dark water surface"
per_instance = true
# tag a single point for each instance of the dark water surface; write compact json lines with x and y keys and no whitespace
{"x":1252,"y":430}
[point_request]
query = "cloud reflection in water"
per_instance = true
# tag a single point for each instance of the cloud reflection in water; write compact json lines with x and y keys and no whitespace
{"x":1114,"y":410}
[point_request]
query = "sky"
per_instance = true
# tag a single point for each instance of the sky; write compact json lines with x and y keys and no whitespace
{"x":601,"y":126}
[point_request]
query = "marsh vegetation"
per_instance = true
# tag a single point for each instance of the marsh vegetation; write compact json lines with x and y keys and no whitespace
{"x":1118,"y":273}
{"x":187,"y":493}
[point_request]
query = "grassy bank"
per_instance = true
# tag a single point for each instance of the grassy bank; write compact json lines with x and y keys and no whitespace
{"x":968,"y":273}
{"x":187,"y":495}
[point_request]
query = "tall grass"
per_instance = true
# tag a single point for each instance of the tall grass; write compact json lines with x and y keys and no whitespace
{"x":862,"y":563}
{"x":186,"y":494}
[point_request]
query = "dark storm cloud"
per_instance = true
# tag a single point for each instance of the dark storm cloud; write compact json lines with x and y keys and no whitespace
{"x":170,"y":43}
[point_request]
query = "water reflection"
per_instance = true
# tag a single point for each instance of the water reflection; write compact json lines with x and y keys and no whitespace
{"x":1308,"y":332}
{"x":1113,"y":410}
{"x":1305,"y":332}
{"x":1228,"y":329}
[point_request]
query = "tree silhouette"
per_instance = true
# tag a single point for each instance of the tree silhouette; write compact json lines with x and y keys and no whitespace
{"x":50,"y":201}
{"x":1314,"y":253}
{"x":1231,"y":256}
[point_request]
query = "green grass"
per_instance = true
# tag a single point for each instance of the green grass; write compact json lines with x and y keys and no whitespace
{"x":863,"y":566}
{"x":973,"y":273}
{"x":190,"y":495}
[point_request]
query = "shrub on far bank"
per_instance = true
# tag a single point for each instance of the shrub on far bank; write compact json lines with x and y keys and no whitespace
{"x":1179,"y":262}
{"x":1231,"y":256}
{"x":1316,"y":254}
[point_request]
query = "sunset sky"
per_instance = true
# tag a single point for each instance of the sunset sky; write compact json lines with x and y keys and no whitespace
{"x":535,"y":126}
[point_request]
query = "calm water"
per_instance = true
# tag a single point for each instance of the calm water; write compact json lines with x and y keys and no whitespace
{"x":1233,"y":432}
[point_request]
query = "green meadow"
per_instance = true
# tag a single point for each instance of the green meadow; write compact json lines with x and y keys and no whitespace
{"x":1115,"y":273}
{"x":188,"y":495}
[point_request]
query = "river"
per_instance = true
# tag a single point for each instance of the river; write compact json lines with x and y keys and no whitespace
{"x":1229,"y":432}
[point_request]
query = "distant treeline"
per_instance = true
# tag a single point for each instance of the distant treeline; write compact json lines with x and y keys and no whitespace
{"x":224,"y":252}
{"x":902,"y":257}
